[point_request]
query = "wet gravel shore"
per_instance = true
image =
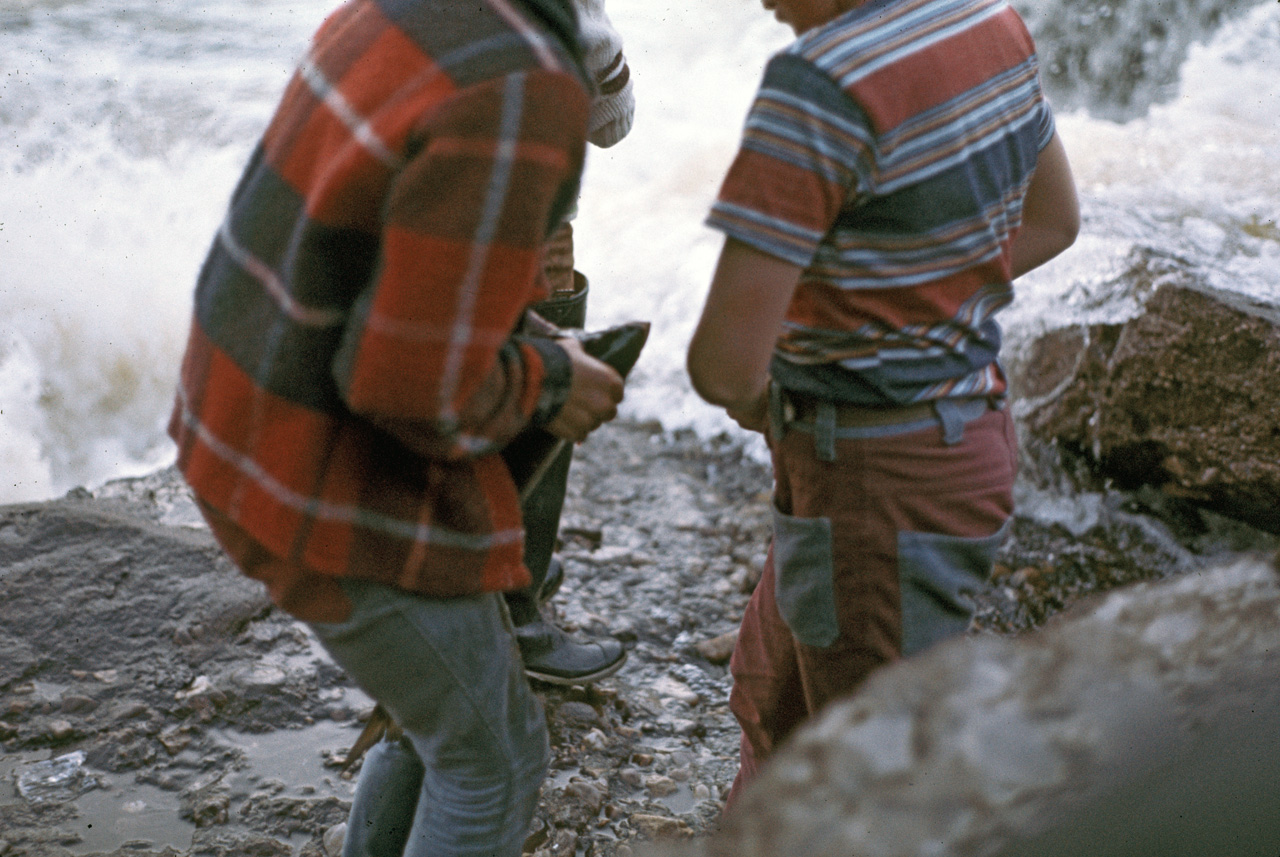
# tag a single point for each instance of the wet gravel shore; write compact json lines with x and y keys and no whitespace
{"x":186,"y":697}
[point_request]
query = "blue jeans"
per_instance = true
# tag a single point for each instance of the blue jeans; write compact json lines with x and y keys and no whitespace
{"x":449,"y":671}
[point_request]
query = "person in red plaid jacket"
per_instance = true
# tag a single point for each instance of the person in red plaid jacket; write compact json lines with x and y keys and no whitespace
{"x":352,"y":373}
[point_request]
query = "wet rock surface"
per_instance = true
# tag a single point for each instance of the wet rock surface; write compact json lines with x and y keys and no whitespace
{"x":148,"y":692}
{"x":1142,"y":723}
{"x":153,"y":703}
{"x":1180,"y":399}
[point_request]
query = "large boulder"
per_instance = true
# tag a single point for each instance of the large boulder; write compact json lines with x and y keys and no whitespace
{"x":1145,"y":722}
{"x":88,"y":585}
{"x":1182,"y":397}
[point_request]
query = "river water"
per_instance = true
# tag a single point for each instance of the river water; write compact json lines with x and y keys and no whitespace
{"x":124,"y":125}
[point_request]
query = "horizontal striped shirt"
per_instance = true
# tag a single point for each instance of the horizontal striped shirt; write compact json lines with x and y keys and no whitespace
{"x":887,"y":154}
{"x":351,"y":372}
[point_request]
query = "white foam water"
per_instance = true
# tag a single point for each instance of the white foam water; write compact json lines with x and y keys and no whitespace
{"x":124,"y":125}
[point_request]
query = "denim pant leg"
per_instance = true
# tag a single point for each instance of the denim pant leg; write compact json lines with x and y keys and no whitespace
{"x":386,"y":801}
{"x":449,"y":672}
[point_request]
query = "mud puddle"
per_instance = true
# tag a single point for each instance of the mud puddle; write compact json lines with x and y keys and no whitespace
{"x":112,"y":810}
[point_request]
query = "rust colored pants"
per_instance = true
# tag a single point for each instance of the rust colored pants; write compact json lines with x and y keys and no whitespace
{"x":879,"y":534}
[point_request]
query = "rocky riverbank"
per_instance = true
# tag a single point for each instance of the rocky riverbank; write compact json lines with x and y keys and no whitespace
{"x":153,"y":704}
{"x":142,"y":664}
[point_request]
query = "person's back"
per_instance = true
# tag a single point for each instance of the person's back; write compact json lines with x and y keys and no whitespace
{"x":899,"y":169}
{"x":924,"y":121}
{"x":376,"y":255}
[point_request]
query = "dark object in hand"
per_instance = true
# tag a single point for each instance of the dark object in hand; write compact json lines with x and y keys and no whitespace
{"x":531,"y":452}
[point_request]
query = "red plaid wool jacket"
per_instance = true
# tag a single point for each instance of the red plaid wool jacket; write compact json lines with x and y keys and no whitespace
{"x":351,"y":371}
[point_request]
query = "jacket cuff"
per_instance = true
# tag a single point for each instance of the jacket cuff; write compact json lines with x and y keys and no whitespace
{"x":556,"y":376}
{"x":611,"y":117}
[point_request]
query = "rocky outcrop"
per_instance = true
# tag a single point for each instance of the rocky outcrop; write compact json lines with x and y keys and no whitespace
{"x":85,"y":585}
{"x":1144,"y":723}
{"x":1183,"y":397}
{"x":139,"y":669}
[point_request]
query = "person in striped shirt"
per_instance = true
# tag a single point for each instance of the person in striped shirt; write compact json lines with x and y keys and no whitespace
{"x":353,"y":371}
{"x":899,"y":169}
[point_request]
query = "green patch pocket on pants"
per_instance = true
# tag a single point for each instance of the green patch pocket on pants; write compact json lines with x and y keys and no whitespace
{"x":803,"y":588}
{"x":939,"y":575}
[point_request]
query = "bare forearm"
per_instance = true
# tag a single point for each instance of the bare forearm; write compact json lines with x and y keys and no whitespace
{"x":1050,"y":212}
{"x":1036,"y":245}
{"x":728,"y":359}
{"x":727,"y":386}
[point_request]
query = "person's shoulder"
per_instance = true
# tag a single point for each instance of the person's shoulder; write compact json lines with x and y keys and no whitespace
{"x":851,"y":30}
{"x":478,"y":40}
{"x":873,"y":33}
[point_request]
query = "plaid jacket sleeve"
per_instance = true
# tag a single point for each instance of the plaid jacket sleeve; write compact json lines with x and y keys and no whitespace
{"x":428,"y":352}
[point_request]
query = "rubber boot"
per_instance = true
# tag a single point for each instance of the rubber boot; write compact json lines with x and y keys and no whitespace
{"x":549,"y":653}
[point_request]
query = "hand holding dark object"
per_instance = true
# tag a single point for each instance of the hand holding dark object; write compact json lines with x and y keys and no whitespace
{"x":595,"y":389}
{"x":531,"y":451}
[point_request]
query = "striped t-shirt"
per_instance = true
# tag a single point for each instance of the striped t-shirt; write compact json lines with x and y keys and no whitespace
{"x":887,"y":153}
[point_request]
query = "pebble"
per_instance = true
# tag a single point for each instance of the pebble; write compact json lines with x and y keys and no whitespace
{"x":659,"y":785}
{"x":589,"y":793}
{"x":577,"y":714}
{"x":654,"y":826}
{"x":129,"y":709}
{"x":611,"y":555}
{"x":718,"y":649}
{"x":680,"y":725}
{"x":674,"y":689}
{"x":261,"y":676}
{"x":175,"y":741}
{"x":74,"y":703}
{"x":334,"y":838}
{"x":199,"y":685}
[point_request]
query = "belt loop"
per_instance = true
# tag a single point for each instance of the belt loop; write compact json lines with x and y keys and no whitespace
{"x":824,"y":432}
{"x":777,"y":416}
{"x":952,"y":421}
